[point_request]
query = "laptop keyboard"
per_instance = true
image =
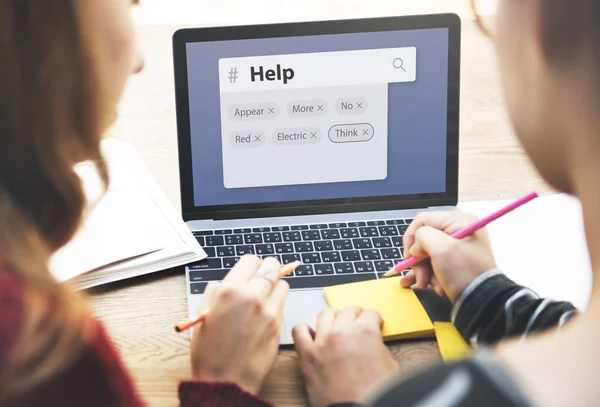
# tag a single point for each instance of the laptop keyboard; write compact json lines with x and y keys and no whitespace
{"x":334,"y":253}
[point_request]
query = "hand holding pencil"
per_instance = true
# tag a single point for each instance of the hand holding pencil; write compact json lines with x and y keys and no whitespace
{"x":201,"y":316}
{"x":450,"y":249}
{"x":238,"y":339}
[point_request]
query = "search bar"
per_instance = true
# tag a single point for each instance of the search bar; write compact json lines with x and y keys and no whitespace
{"x":321,"y":69}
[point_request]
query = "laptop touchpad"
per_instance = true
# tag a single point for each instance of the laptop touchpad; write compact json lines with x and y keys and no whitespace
{"x":301,"y":307}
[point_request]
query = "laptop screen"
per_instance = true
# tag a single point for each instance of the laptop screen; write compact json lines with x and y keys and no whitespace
{"x":318,"y":117}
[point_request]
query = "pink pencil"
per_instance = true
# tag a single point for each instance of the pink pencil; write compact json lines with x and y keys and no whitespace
{"x":411,"y":261}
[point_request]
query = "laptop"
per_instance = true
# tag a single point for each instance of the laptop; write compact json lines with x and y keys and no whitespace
{"x":314,"y":141}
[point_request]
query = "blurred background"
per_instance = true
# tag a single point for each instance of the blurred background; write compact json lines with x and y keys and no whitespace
{"x":209,"y":12}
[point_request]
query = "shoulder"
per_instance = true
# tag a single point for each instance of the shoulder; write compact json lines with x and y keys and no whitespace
{"x":97,"y":370}
{"x":474,"y":382}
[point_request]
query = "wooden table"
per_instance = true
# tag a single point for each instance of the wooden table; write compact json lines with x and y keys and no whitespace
{"x":140,"y":313}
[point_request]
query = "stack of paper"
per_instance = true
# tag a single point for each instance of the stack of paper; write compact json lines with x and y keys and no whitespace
{"x":402,"y":313}
{"x":452,"y":345}
{"x":131,"y":231}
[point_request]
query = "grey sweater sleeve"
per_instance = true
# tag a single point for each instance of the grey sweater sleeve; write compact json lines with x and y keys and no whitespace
{"x":493,"y":307}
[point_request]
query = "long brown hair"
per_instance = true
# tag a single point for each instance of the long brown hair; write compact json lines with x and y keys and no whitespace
{"x":49,"y":121}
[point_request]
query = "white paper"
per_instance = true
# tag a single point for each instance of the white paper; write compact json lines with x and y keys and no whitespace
{"x":133,"y":230}
{"x":542,"y":245}
{"x":117,"y":228}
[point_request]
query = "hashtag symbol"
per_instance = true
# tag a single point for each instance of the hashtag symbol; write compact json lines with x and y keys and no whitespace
{"x":233,"y":75}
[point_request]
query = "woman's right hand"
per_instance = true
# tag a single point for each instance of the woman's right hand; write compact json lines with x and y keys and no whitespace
{"x":453,"y":263}
{"x":239,"y":339}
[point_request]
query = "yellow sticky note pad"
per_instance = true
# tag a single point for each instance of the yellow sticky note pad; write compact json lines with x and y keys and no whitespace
{"x":450,"y":341}
{"x":402,"y":312}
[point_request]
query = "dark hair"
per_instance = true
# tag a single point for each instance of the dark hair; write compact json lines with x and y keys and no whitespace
{"x":49,"y":120}
{"x":570,"y":27}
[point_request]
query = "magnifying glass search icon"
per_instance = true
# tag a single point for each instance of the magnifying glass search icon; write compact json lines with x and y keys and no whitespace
{"x":398,"y":63}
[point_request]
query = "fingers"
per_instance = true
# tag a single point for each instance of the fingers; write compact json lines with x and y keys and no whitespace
{"x":347,"y":316}
{"x":207,"y":297}
{"x":434,"y":241}
{"x":408,"y":280}
{"x":433,"y":219}
{"x":243,"y":270}
{"x":372,"y":318}
{"x":417,"y":250}
{"x":411,"y":278}
{"x":206,"y":302}
{"x":448,"y":222}
{"x":325,"y":320}
{"x":276,"y":301}
{"x":437,"y":286}
{"x":302,"y":338}
{"x":422,"y":275}
{"x":265,"y":278}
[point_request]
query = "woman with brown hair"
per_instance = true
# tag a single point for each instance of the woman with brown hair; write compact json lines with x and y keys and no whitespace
{"x":63,"y":67}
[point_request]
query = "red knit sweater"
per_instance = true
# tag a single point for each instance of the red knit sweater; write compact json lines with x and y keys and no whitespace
{"x":98,"y":377}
